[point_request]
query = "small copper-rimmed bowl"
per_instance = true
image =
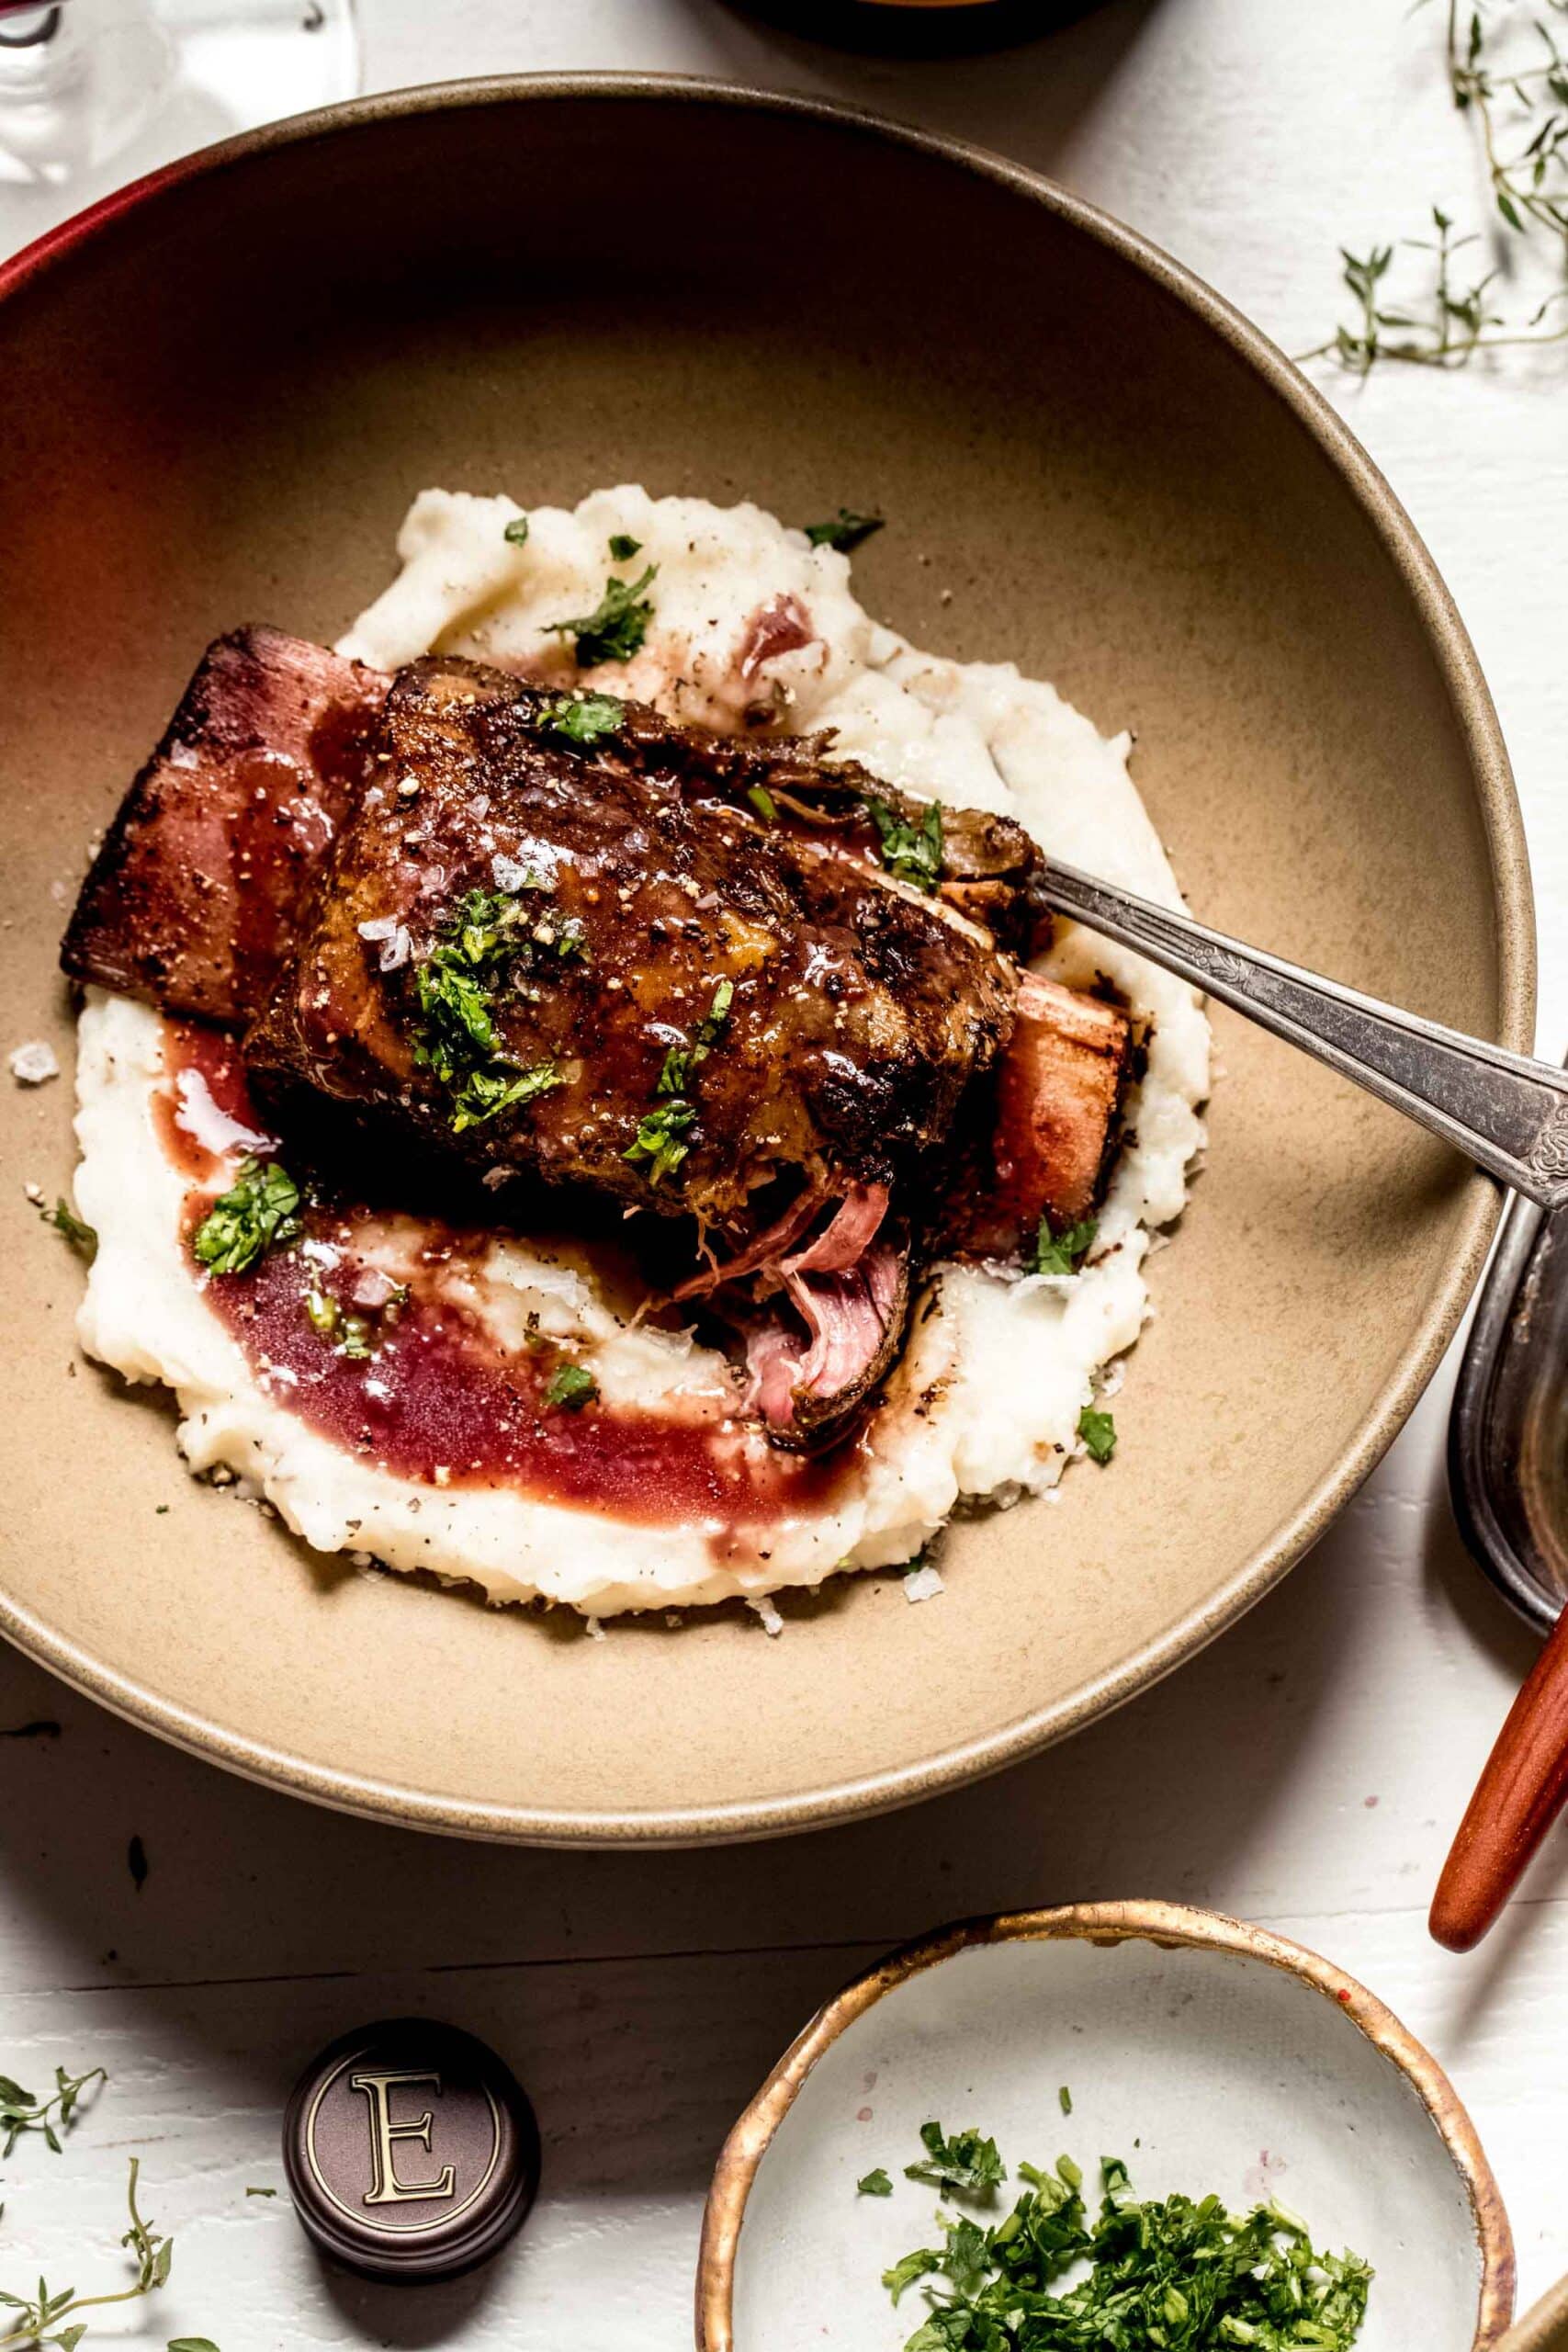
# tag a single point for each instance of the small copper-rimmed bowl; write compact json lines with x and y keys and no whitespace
{"x":1211,"y":2055}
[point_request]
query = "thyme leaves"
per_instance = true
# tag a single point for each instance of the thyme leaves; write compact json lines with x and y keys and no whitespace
{"x":1518,"y":104}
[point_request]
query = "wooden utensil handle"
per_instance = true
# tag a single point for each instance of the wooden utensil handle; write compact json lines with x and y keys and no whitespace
{"x":1521,"y":1790}
{"x":1544,"y":2327}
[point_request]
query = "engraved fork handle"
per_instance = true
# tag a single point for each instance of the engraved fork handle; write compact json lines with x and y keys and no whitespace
{"x":1507,"y":1112}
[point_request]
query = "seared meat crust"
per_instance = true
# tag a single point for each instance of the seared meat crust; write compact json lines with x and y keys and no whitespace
{"x":856,"y":1012}
{"x":992,"y":869}
{"x":193,"y":901}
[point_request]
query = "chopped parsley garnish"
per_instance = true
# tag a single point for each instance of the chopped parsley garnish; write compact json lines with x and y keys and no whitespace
{"x":488,"y":926}
{"x":571,"y":1385}
{"x":82,"y":1237}
{"x":966,"y":2163}
{"x":562,"y":940}
{"x":321,"y":1313}
{"x":484,"y":1092}
{"x":911,"y":853}
{"x":615,"y":630}
{"x":659,"y":1140}
{"x":1098,"y":1431}
{"x":455,"y":1007}
{"x":348,"y":1334}
{"x":580,"y":719}
{"x":1064,"y":1252}
{"x":681,"y":1060}
{"x":259,"y":1212}
{"x":846,"y":530}
{"x":763,"y":800}
{"x":455,"y":985}
{"x":623,"y":546}
{"x":1179,"y":2275}
{"x":874,"y":2184}
{"x":517,"y":532}
{"x":660,"y":1137}
{"x":1065,"y":2099}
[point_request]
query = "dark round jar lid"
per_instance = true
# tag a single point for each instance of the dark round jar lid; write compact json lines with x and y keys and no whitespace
{"x":410,"y":2151}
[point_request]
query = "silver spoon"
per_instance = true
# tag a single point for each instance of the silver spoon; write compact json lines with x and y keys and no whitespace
{"x":1507,"y":1112}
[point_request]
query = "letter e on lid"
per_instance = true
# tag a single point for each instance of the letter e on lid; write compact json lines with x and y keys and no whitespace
{"x":410,"y":2151}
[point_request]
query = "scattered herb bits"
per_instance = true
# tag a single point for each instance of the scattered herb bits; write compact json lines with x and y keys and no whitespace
{"x":82,"y":1237}
{"x":259,"y":1212}
{"x":911,"y":853}
{"x":874,"y":2184}
{"x":615,"y":628}
{"x":845,"y":531}
{"x":681,"y":1060}
{"x":455,"y":989}
{"x":623,"y":546}
{"x":1177,"y":2274}
{"x":660,"y":1138}
{"x":517,"y":532}
{"x":966,"y":2164}
{"x":570,"y":1387}
{"x":1064,"y":1252}
{"x":484,"y":1092}
{"x":1098,"y":1431}
{"x":349,"y":1335}
{"x":581,"y":720}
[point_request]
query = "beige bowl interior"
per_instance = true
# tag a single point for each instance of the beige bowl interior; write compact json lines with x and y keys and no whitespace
{"x":218,"y":405}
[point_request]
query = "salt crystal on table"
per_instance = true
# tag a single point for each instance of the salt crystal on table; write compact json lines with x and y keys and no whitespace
{"x":772,"y":1624}
{"x":33,"y":1064}
{"x":923,"y":1584}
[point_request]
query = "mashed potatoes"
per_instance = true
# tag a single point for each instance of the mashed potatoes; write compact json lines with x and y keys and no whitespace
{"x":988,"y":1399}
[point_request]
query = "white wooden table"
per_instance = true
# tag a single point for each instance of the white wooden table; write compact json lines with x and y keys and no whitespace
{"x":1306,"y":1771}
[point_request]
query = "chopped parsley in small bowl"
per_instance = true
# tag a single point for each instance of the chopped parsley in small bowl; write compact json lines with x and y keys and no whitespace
{"x":1127,"y":2126}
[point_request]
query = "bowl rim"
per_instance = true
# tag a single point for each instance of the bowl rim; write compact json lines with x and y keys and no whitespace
{"x":1500,"y":1545}
{"x":1175,"y":1925}
{"x":1497,"y":807}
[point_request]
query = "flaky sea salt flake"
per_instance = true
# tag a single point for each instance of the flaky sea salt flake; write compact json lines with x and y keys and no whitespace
{"x":34,"y":1064}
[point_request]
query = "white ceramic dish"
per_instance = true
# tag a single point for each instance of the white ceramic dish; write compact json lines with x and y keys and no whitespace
{"x":1211,"y":2056}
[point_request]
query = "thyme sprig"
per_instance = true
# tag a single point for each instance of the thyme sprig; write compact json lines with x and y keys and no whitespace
{"x":1521,"y":115}
{"x":21,"y":2111}
{"x":42,"y":2315}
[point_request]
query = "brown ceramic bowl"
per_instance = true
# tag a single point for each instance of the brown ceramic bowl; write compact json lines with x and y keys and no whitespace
{"x":221,"y":389}
{"x":1209,"y":2055}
